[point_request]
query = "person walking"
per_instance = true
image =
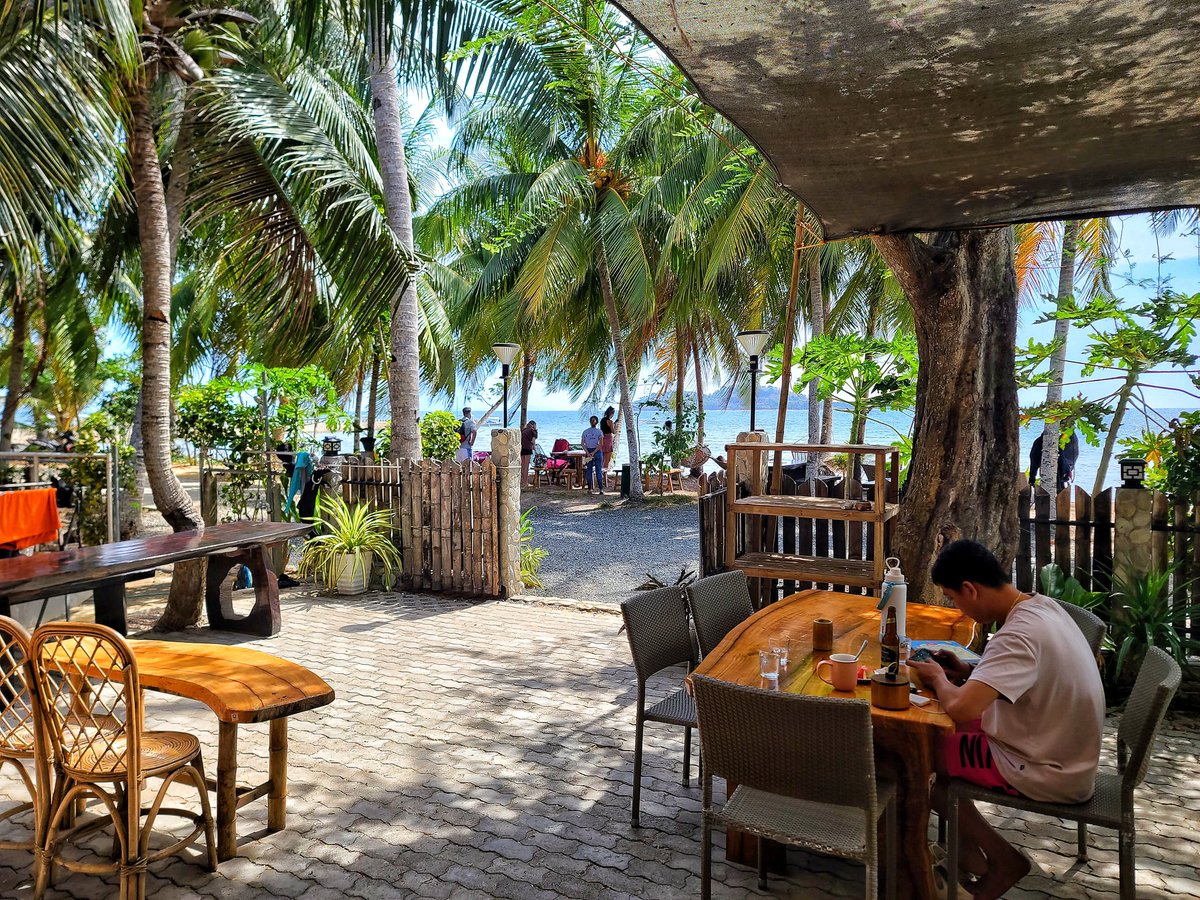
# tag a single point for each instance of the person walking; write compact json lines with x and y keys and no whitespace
{"x":529,"y":436}
{"x":608,"y":431}
{"x":467,"y":432}
{"x":593,"y":471}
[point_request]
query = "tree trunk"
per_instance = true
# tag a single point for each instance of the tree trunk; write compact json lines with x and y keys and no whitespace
{"x":789,"y":344}
{"x":680,"y":371}
{"x":373,"y":395}
{"x":816,"y":306}
{"x":187,"y":581}
{"x":404,"y":369}
{"x":1114,"y":426}
{"x":131,"y":501}
{"x":1058,"y":362}
{"x":696,"y":471}
{"x":961,"y":481}
{"x":636,"y":494}
{"x":527,"y":368}
{"x":14,"y":387}
{"x":358,"y":399}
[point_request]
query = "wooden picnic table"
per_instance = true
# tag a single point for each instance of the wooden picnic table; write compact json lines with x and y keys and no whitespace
{"x":241,"y":686}
{"x":906,"y":738}
{"x":105,"y":569}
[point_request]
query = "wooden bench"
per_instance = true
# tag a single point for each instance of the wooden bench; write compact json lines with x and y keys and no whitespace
{"x":104,"y":570}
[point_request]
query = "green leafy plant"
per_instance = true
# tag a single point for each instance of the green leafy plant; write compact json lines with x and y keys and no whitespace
{"x":1145,"y":615}
{"x":1173,"y":456}
{"x":347,"y":530}
{"x":531,"y":557}
{"x":383,"y":442}
{"x":671,"y":444}
{"x":439,"y":435}
{"x":1056,"y":583}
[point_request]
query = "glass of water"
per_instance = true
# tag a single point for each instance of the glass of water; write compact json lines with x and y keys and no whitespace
{"x":780,"y":645}
{"x":768,"y":664}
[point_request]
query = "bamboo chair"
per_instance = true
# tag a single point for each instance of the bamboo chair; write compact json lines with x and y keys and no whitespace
{"x":21,"y":743}
{"x":86,"y":683}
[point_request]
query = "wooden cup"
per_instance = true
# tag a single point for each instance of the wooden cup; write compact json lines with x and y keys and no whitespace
{"x":822,"y":639}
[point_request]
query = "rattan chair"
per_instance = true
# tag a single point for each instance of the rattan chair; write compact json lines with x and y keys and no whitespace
{"x":659,"y":637}
{"x":86,"y":682}
{"x":1089,"y":623}
{"x":21,"y":743}
{"x":805,"y":774}
{"x":718,"y":603}
{"x":1112,"y":804}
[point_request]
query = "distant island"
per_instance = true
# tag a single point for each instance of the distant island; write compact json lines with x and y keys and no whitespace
{"x":767,"y":398}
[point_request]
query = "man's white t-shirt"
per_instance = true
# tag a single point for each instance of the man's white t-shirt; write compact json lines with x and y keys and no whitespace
{"x":1044,"y":729}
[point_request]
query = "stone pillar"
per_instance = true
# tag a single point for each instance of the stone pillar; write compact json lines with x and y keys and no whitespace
{"x":506,"y":455}
{"x":743,"y":461}
{"x":1133,"y":544}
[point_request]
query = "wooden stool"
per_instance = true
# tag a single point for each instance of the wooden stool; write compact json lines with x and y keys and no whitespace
{"x":673,"y":476}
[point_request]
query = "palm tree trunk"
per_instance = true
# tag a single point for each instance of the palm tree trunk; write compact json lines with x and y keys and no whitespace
{"x":358,"y":399}
{"x":1114,"y":426}
{"x":636,"y":494}
{"x":697,"y":470}
{"x":526,"y":385}
{"x":404,"y":369}
{"x":680,"y":371}
{"x":187,"y":581}
{"x":373,"y":395}
{"x":789,"y":345}
{"x":1058,"y":362}
{"x":14,"y":388}
{"x":816,"y":305}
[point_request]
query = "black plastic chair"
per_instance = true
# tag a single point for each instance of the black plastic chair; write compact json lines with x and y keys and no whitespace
{"x":659,"y":637}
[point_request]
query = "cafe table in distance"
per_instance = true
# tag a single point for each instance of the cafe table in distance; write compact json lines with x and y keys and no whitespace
{"x":906,"y":738}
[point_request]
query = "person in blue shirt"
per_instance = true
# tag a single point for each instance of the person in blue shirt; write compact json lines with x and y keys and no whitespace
{"x":594,"y":466}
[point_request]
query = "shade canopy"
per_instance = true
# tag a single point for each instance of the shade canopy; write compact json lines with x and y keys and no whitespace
{"x":911,"y":115}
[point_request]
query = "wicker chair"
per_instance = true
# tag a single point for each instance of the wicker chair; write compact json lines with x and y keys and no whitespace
{"x":718,"y":603}
{"x":805,"y":774}
{"x":1112,"y":804}
{"x":659,"y":637}
{"x":21,"y":743}
{"x":1089,"y":623}
{"x":90,"y":700}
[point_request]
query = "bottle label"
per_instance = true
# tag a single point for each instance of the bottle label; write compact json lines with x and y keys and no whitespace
{"x":889,"y":654}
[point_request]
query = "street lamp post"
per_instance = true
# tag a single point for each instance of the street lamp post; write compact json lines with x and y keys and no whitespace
{"x":752,"y":343}
{"x":506,"y":353}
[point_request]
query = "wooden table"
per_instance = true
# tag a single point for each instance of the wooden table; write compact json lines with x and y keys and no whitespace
{"x":105,"y":569}
{"x":906,"y":738}
{"x":241,"y":686}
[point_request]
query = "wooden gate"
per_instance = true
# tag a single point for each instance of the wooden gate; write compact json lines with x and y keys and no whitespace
{"x":444,"y":520}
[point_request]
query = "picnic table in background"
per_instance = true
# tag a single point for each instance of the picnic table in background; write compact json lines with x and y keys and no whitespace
{"x":908,"y":737}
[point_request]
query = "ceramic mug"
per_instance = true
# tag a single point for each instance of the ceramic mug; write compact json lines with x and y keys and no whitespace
{"x":843,"y":671}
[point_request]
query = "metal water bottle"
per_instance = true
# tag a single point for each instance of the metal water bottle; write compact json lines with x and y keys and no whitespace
{"x":893,"y":596}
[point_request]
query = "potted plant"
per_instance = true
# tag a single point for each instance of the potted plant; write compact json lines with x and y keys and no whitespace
{"x":352,"y":539}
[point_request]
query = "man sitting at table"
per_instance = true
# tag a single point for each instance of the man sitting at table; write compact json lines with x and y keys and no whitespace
{"x":1029,"y":714}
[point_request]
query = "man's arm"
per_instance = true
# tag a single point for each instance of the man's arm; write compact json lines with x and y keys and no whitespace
{"x":963,"y":703}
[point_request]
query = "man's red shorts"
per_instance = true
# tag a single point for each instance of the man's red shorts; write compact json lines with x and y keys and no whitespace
{"x":966,"y":755}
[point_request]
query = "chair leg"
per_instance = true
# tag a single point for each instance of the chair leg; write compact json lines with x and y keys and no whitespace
{"x":1081,"y":849}
{"x":1128,"y":860}
{"x":687,"y":756}
{"x":637,"y":772}
{"x":892,"y":836}
{"x":871,"y":891}
{"x":706,"y":859}
{"x":761,"y":851}
{"x":952,"y":846}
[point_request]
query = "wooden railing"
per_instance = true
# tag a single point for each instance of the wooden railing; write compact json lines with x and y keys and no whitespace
{"x":444,"y":520}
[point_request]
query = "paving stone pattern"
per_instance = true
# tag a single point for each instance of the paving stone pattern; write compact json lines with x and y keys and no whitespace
{"x":485,"y":750}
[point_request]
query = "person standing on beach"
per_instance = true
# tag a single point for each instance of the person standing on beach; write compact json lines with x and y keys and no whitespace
{"x":529,"y":436}
{"x":607,"y":430}
{"x":467,"y":432}
{"x":594,"y":460}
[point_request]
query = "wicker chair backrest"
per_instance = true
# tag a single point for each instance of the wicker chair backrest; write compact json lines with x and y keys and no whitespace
{"x":657,"y":627}
{"x":811,"y":748}
{"x":1089,"y":623}
{"x":88,"y":687}
{"x":18,"y":726}
{"x":718,"y":603}
{"x":1157,"y":680}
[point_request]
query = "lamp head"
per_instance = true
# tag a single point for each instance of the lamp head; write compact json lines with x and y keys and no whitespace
{"x":1133,"y":472}
{"x":506,"y":353}
{"x":752,"y":342}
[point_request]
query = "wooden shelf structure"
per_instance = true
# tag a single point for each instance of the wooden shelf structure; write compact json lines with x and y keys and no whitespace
{"x":874,"y":511}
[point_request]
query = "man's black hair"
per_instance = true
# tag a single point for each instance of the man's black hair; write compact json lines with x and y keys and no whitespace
{"x":964,"y":560}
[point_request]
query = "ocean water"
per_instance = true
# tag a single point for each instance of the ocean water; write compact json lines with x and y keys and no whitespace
{"x":722,"y":427}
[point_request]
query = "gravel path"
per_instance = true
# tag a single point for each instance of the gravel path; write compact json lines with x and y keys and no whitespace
{"x":600,"y":553}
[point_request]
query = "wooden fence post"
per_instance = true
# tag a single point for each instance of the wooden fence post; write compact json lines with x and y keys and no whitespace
{"x":506,"y":455}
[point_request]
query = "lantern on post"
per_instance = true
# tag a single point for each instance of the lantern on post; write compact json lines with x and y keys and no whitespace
{"x":752,"y":343}
{"x":1133,"y":472}
{"x":507,"y":354}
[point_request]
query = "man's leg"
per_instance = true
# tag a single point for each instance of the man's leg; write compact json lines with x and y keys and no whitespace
{"x":982,"y":850}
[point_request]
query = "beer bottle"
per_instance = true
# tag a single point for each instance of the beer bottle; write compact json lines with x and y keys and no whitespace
{"x":889,"y":644}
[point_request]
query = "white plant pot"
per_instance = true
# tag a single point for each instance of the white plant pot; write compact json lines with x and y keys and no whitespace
{"x":352,"y":578}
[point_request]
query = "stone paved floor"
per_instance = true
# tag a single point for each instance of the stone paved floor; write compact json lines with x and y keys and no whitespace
{"x":480,"y":751}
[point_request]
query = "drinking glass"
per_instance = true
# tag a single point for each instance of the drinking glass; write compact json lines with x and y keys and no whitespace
{"x":780,"y":644}
{"x":905,"y":650}
{"x":768,"y":664}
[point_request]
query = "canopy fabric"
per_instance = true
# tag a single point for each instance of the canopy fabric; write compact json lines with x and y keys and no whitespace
{"x":912,"y":115}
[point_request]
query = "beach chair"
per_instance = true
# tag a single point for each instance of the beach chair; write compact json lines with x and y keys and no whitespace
{"x":556,"y":469}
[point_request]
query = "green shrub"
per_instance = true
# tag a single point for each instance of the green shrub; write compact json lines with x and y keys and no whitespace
{"x":439,"y":435}
{"x":531,"y":557}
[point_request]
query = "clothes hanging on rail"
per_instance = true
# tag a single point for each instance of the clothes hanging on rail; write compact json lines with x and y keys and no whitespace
{"x":28,"y":518}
